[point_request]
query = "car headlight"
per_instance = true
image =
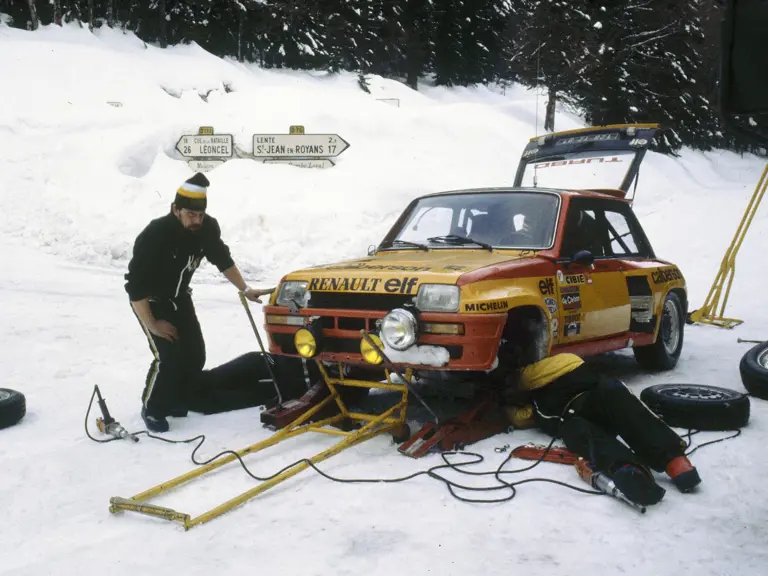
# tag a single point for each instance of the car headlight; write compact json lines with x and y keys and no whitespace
{"x":291,"y":290}
{"x":399,"y":329}
{"x":438,"y":298}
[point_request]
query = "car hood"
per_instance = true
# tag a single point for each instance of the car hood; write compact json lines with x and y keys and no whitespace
{"x":402,"y":271}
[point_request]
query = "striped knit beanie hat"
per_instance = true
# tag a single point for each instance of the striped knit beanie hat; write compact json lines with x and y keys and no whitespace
{"x":192,"y":194}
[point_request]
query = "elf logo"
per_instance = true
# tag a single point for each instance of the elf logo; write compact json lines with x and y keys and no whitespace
{"x":547,"y":286}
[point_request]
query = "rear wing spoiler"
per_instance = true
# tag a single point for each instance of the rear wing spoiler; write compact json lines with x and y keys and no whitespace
{"x":599,"y":139}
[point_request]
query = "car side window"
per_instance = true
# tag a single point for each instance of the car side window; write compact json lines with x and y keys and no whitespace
{"x":584,"y":230}
{"x":606,"y":229}
{"x":622,"y":240}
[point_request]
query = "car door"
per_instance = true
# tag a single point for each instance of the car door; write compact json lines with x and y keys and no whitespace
{"x":628,"y":245}
{"x":593,"y":297}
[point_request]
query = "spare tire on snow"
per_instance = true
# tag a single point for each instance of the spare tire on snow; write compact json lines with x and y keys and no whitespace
{"x":754,"y":371}
{"x":13,"y":407}
{"x":697,"y":406}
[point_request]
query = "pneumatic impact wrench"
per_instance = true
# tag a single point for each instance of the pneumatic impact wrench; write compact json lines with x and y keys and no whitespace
{"x":108,"y":425}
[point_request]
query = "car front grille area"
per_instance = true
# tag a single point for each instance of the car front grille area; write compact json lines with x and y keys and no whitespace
{"x":346,"y":323}
{"x":344,"y":346}
{"x":379,"y":304}
{"x":356,"y":301}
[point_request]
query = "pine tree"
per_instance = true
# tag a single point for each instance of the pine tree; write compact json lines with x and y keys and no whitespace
{"x":21,"y":14}
{"x":289,"y":34}
{"x":447,"y":42}
{"x":647,"y":68}
{"x":341,"y":33}
{"x":482,"y":26}
{"x":555,"y":51}
{"x":417,"y":17}
{"x":387,"y":38}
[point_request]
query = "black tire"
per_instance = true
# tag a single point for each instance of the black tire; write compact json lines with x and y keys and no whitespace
{"x":665,"y":352}
{"x":754,"y":371}
{"x":13,"y":407}
{"x":697,"y":406}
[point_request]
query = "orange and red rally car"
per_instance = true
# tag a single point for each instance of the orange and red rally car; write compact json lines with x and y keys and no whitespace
{"x":464,"y":273}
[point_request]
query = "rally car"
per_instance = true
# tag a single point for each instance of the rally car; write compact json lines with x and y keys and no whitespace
{"x":468,"y":280}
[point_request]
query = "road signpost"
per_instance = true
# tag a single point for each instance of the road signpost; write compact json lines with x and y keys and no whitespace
{"x":297,"y":148}
{"x":298,"y":145}
{"x":205,"y":150}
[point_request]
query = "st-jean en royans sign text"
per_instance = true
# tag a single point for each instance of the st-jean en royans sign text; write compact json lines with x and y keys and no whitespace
{"x":298,"y":145}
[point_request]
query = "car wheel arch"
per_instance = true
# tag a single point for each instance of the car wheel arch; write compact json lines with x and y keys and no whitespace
{"x":532,"y":343}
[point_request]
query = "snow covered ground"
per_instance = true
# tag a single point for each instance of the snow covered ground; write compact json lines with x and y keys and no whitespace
{"x":81,"y":178}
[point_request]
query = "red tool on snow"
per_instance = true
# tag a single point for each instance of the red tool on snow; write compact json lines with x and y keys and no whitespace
{"x":558,"y":454}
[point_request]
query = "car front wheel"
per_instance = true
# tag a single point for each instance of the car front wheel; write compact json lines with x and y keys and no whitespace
{"x":664,"y":353}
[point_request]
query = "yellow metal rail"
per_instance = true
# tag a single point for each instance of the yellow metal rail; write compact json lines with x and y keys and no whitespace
{"x":713,"y":310}
{"x":375,"y":424}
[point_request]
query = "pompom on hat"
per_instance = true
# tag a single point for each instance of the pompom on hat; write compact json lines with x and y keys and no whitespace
{"x":192,"y":194}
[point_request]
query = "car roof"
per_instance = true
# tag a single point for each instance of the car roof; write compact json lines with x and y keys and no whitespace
{"x":605,"y":193}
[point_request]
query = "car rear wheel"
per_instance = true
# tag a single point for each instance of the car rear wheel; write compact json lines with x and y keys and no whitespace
{"x":665,"y":352}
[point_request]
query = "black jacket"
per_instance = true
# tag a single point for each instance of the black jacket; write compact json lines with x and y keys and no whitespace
{"x":551,"y":400}
{"x":166,"y":255}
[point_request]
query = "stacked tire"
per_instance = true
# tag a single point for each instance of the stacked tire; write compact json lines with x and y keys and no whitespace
{"x":13,"y":407}
{"x":754,"y":371}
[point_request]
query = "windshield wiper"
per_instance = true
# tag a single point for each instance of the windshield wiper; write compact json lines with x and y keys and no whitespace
{"x":407,"y":243}
{"x":456,"y":239}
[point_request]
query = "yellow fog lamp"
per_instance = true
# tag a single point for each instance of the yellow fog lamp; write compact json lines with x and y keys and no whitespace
{"x":371,"y":354}
{"x":308,"y":340}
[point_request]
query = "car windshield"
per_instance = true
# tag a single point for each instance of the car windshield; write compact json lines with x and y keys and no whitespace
{"x":522,"y":220}
{"x":585,"y":170}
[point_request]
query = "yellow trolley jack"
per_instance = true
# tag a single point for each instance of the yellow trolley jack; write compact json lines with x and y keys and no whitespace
{"x":374,"y":425}
{"x":391,"y":420}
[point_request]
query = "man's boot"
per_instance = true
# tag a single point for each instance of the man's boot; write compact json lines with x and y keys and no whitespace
{"x":153,"y":423}
{"x":683,"y":473}
{"x":637,"y":484}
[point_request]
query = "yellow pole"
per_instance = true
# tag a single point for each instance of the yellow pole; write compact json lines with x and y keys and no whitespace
{"x":713,"y":310}
{"x":287,"y":432}
{"x":360,"y":435}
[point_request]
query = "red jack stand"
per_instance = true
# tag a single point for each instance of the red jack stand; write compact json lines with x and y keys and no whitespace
{"x":283,"y":414}
{"x":484,"y":419}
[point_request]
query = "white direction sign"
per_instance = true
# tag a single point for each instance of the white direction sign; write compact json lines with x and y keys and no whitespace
{"x":204,"y":165}
{"x":205,"y":146}
{"x":298,"y":145}
{"x":303,"y":163}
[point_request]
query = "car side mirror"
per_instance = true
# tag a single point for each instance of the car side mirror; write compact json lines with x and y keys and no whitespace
{"x":371,"y":250}
{"x":584,"y":257}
